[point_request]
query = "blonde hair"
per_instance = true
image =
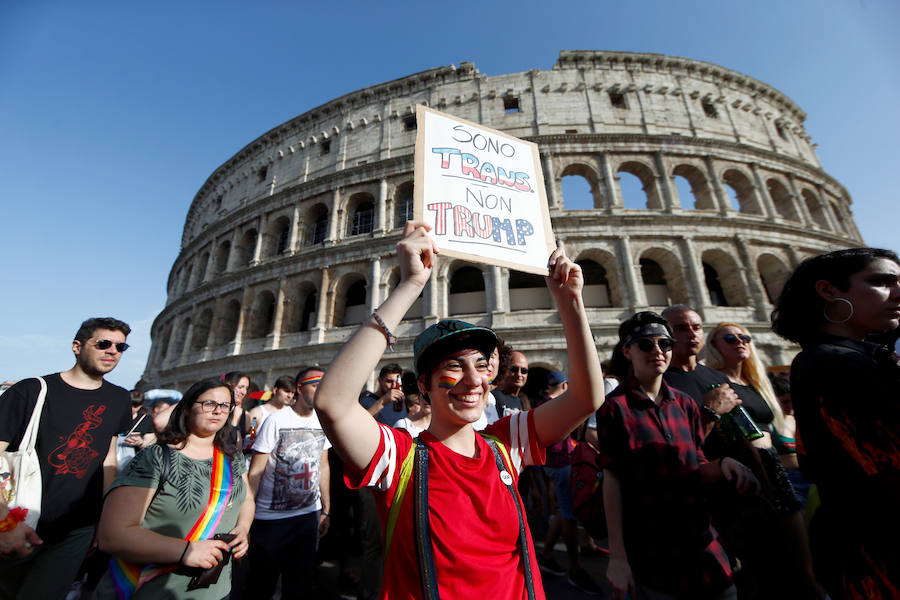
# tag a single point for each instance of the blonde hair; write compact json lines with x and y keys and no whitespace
{"x":752,"y":371}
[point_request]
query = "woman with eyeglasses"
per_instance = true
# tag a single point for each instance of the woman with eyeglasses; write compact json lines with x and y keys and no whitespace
{"x":661,"y":540}
{"x":180,"y":508}
{"x":845,"y":386}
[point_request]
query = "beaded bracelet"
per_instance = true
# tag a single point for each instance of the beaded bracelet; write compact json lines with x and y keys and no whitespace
{"x":391,"y":338}
{"x":13,"y":518}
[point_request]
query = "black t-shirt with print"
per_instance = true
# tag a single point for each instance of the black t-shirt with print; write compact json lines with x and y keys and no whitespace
{"x":73,"y":439}
{"x":694,"y":383}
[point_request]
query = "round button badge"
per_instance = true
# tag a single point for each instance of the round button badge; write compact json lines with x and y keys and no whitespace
{"x":506,"y":478}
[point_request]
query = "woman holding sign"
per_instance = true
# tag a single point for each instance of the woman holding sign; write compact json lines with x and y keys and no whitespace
{"x":454,"y":522}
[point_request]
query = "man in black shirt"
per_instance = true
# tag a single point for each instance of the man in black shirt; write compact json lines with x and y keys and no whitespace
{"x":76,"y":446}
{"x":687,"y":375}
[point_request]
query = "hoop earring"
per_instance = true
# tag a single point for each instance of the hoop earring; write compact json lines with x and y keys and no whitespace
{"x":835,"y":321}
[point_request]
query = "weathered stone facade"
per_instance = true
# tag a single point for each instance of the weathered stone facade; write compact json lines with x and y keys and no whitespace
{"x":289,"y":244}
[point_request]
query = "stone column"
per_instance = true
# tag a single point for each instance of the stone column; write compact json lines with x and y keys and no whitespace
{"x":613,"y":198}
{"x":326,"y":295}
{"x":762,"y":195}
{"x":186,"y":349}
{"x":826,"y":209}
{"x":792,"y":254}
{"x":278,"y":319}
{"x":553,"y":192}
{"x":374,"y":299}
{"x":497,"y":295}
{"x":381,"y":208}
{"x":257,"y":248}
{"x":692,"y":261}
{"x":335,"y":217}
{"x":246,"y":309}
{"x":800,"y":204}
{"x":754,"y":285}
{"x":232,"y":251}
{"x":669,"y":198}
{"x":430,"y":301}
{"x":718,"y":193}
{"x":296,"y":227}
{"x":215,"y":325}
{"x":634,"y":293}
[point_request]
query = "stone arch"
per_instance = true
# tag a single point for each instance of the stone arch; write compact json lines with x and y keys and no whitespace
{"x":360,"y":214}
{"x":262,"y":316}
{"x":580,"y":172}
{"x":304,"y":306}
{"x":723,"y":280}
{"x":228,"y":324}
{"x":663,"y":278}
{"x":186,"y":280}
{"x":740,"y":188}
{"x":200,"y":336}
{"x":162,"y":352}
{"x":782,"y":199}
{"x":774,"y":274}
{"x":403,"y":204}
{"x":466,"y":291}
{"x":317,"y":229}
{"x":647,"y":177}
{"x":278,"y":236}
{"x":815,"y":208}
{"x":181,"y":337}
{"x":350,"y":300}
{"x":222,"y":255}
{"x":699,"y":187}
{"x":528,"y":291}
{"x":201,"y":268}
{"x":602,"y":285}
{"x":243,"y":251}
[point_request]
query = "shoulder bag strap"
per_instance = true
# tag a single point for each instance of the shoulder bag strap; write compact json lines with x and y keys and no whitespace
{"x":422,"y":526}
{"x":499,"y":449}
{"x":30,"y":436}
{"x":164,"y":472}
{"x":405,"y":472}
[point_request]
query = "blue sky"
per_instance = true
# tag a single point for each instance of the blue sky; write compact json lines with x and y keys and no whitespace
{"x":113,"y":114}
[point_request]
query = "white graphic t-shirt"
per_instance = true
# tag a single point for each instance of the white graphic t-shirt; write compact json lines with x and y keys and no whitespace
{"x":290,"y":484}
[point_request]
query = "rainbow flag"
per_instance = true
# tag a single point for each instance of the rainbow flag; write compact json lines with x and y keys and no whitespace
{"x":128,"y":577}
{"x":446,"y":382}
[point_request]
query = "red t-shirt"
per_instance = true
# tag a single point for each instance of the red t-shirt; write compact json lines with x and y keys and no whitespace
{"x":474,"y":527}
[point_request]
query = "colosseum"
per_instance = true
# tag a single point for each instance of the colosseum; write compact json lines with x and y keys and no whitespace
{"x":289,"y":245}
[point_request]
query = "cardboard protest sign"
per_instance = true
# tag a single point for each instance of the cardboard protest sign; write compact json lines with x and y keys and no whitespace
{"x":482,"y":191}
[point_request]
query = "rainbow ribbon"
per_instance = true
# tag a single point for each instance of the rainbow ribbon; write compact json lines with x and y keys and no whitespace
{"x":311,"y":379}
{"x":128,"y":577}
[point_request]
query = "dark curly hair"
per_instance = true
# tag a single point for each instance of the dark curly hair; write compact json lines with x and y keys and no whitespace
{"x":799,"y":311}
{"x":177,"y":431}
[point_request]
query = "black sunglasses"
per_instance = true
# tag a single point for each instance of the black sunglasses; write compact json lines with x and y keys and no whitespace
{"x":523,"y":370}
{"x":730,"y":338}
{"x":647,"y":344}
{"x":104,"y":344}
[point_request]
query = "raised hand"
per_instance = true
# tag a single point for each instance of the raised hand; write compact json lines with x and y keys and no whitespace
{"x":566,"y":279}
{"x":415,"y":252}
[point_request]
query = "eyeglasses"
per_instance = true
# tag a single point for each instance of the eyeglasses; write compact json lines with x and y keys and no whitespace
{"x":647,"y":344}
{"x":211,"y":406}
{"x":522,"y":370}
{"x":730,"y":338}
{"x":104,"y":344}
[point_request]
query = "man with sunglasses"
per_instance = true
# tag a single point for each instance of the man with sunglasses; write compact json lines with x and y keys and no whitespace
{"x":709,"y":388}
{"x":515,"y":379}
{"x":76,"y":444}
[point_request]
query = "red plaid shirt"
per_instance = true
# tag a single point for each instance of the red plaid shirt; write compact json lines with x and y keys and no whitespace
{"x":655,"y":453}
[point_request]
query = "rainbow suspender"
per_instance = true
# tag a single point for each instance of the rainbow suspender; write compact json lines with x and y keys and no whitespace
{"x":128,"y":577}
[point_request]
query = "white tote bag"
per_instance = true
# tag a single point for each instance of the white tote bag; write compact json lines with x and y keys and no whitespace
{"x":25,"y":467}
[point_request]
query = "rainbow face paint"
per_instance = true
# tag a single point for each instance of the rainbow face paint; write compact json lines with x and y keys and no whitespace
{"x":447,"y":382}
{"x":311,"y":379}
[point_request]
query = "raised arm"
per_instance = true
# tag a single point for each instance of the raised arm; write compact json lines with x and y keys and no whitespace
{"x":555,"y":419}
{"x":352,"y":430}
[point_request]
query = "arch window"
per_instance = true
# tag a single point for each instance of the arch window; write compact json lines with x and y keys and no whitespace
{"x":580,"y":188}
{"x":186,"y":282}
{"x":355,"y":303}
{"x":596,"y":285}
{"x":693,"y":188}
{"x":467,"y":291}
{"x":403,"y":205}
{"x":246,"y":248}
{"x":201,"y":268}
{"x":263,"y":317}
{"x":201,"y":330}
{"x":655,"y":285}
{"x":318,"y":225}
{"x":303,"y":315}
{"x":740,"y":192}
{"x":222,"y":256}
{"x":181,"y":338}
{"x":774,"y":275}
{"x":714,"y":286}
{"x":528,"y":291}
{"x":781,"y":198}
{"x":230,"y":319}
{"x":362,"y":219}
{"x":815,"y":208}
{"x":637,"y":184}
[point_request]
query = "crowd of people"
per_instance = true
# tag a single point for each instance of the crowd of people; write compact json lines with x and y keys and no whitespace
{"x":714,"y":478}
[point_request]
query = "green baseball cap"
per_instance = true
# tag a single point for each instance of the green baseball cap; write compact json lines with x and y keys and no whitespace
{"x":440,"y":335}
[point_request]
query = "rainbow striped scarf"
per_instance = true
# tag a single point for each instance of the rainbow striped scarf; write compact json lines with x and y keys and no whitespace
{"x":128,"y":577}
